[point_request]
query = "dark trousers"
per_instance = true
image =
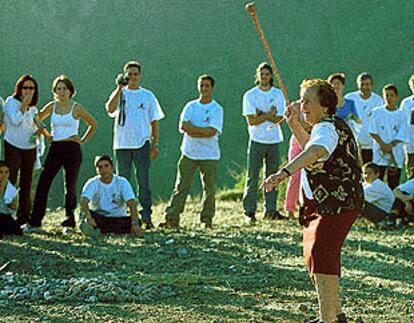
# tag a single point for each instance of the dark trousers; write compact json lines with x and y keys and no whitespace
{"x":393,"y":175}
{"x":21,"y":160}
{"x":398,"y":211}
{"x":366,"y":155}
{"x":118,"y":225}
{"x":140,"y":158}
{"x":373,"y":213}
{"x":66,"y":154}
{"x":9,"y":226}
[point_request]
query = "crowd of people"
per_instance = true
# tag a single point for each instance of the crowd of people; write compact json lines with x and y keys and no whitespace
{"x":346,"y":158}
{"x":383,"y":130}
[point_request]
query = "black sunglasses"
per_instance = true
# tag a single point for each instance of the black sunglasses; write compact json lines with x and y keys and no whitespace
{"x":28,"y":87}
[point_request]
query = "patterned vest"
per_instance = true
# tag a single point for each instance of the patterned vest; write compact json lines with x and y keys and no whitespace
{"x":337,"y":183}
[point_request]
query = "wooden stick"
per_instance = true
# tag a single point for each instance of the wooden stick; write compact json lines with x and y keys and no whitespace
{"x":251,"y":10}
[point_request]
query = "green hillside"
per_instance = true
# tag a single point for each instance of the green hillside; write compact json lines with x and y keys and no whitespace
{"x":177,"y":40}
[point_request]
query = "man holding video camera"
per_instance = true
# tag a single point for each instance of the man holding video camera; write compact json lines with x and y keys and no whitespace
{"x":136,"y":133}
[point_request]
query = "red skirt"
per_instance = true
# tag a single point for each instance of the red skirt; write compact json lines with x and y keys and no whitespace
{"x":323,"y":238}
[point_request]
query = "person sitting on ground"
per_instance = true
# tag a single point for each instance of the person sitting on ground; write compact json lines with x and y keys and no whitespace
{"x":378,"y":196}
{"x":8,"y":205}
{"x":403,"y":207}
{"x":104,"y":202}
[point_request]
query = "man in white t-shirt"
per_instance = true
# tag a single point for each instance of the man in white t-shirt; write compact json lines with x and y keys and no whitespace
{"x":365,"y":101}
{"x":136,"y":133}
{"x":263,"y":108}
{"x":104,"y":203}
{"x":388,"y":129}
{"x":201,"y":122}
{"x":407,"y":105}
{"x":378,"y":196}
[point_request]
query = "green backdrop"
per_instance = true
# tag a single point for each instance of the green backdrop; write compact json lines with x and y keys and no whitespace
{"x":175,"y":41}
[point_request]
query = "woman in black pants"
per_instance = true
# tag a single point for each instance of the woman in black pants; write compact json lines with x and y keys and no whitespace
{"x":20,"y":139}
{"x":64,"y":151}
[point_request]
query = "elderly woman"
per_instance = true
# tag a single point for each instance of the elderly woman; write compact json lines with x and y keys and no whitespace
{"x":332,"y":187}
{"x":64,"y":152}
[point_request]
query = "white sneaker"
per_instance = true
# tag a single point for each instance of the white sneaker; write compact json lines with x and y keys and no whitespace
{"x":68,"y":230}
{"x":27,"y":229}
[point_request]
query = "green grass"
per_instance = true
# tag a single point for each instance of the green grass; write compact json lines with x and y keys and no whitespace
{"x":232,"y":273}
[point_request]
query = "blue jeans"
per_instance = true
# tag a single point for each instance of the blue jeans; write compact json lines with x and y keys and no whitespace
{"x":142,"y":161}
{"x":256,"y":153}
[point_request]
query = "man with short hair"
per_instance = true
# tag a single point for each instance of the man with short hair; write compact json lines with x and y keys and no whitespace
{"x":201,"y":122}
{"x":136,"y":133}
{"x":104,"y":202}
{"x":365,"y":101}
{"x":407,"y":105}
{"x":263,"y":107}
{"x":378,"y":196}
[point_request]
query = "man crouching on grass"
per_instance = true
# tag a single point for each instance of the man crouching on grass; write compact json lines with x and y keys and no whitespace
{"x":109,"y":196}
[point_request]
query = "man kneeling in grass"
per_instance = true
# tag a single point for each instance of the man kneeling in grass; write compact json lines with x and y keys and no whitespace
{"x":104,"y":203}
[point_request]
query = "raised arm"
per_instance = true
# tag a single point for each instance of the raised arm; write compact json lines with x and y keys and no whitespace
{"x":113,"y":100}
{"x":296,"y":126}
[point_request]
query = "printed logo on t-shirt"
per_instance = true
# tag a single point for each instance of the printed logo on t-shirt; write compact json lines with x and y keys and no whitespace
{"x":395,"y":128}
{"x":207,"y":119}
{"x":141,"y":106}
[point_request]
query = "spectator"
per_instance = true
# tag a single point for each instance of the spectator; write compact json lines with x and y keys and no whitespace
{"x":8,"y":197}
{"x":388,"y":129}
{"x":263,"y":108}
{"x":104,"y":202}
{"x":64,"y":151}
{"x":365,"y":101}
{"x":201,"y":122}
{"x":136,"y":132}
{"x":403,"y":208}
{"x":407,"y":105}
{"x":378,"y":196}
{"x":20,"y":140}
{"x":346,"y":108}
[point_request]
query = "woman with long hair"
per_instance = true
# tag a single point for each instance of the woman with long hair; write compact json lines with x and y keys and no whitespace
{"x":20,"y":139}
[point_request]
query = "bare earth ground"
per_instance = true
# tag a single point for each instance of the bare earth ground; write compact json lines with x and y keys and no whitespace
{"x":232,"y":273}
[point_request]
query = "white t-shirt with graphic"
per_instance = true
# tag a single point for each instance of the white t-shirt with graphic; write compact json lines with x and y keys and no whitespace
{"x":365,"y":108}
{"x":389,"y":126}
{"x":407,"y":105}
{"x":141,"y":108}
{"x":379,"y":194}
{"x":20,"y":126}
{"x":109,"y":200}
{"x":323,"y":134}
{"x":258,"y":100}
{"x":201,"y":115}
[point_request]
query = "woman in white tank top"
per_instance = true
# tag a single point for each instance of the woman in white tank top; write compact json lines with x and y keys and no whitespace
{"x":64,"y":151}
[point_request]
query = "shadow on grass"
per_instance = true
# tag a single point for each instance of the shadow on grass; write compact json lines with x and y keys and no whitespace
{"x":233,"y":274}
{"x":236,"y":278}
